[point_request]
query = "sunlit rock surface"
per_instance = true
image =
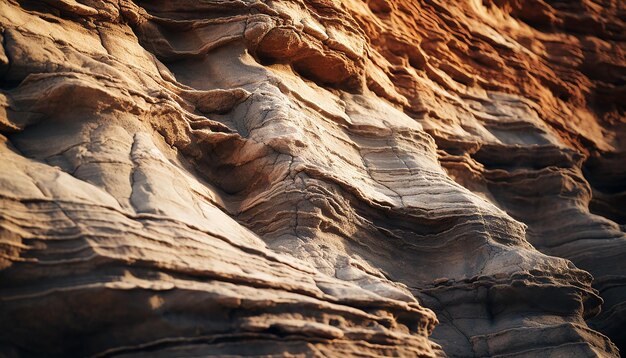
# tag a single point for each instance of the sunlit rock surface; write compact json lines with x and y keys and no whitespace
{"x":312,"y":178}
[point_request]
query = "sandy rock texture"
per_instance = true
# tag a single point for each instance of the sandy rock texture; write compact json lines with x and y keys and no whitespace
{"x":312,"y":178}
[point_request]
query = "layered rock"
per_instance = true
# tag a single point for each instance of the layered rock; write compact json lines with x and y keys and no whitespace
{"x":314,"y":178}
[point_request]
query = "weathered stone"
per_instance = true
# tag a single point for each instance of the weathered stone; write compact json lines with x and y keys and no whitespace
{"x":312,"y":178}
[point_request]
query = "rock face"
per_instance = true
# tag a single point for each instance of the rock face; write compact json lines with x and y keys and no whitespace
{"x":312,"y":178}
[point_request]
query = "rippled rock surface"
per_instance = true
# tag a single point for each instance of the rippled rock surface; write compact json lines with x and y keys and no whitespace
{"x":312,"y":178}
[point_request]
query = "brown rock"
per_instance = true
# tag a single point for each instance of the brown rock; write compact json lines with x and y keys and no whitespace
{"x":316,"y":178}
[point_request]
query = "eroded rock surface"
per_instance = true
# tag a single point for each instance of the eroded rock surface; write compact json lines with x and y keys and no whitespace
{"x":312,"y":178}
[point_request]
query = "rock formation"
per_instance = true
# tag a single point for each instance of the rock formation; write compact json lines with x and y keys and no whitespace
{"x":312,"y":178}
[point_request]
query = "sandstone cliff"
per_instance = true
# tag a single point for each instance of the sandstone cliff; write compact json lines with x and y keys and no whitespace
{"x":312,"y":178}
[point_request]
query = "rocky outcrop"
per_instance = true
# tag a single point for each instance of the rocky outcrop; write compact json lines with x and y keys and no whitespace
{"x":312,"y":178}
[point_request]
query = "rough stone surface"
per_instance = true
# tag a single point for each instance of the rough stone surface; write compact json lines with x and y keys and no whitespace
{"x":312,"y":178}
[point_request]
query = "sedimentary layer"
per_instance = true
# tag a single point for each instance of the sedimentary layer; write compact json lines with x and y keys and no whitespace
{"x":312,"y":178}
